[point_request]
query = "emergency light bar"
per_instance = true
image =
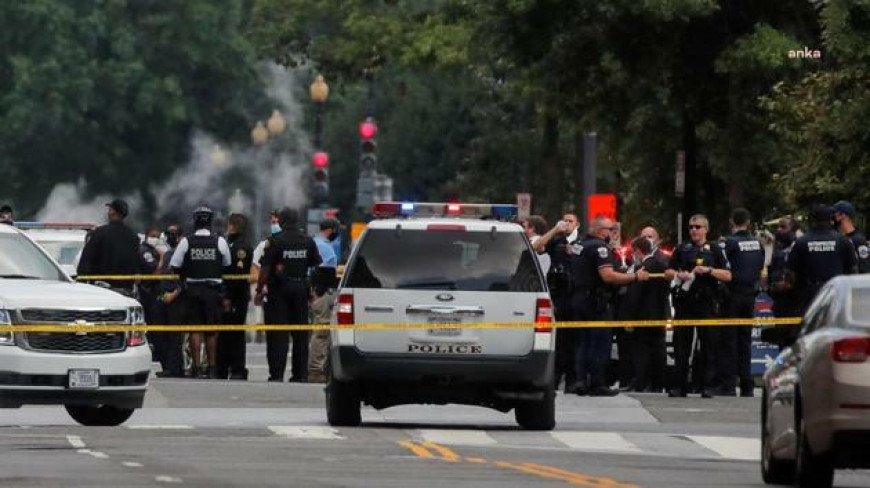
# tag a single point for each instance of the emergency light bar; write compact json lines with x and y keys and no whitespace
{"x":460,"y":210}
{"x":55,"y":225}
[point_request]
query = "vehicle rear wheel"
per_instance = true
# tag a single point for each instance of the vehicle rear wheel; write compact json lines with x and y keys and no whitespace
{"x":538,"y":415}
{"x":811,"y":470}
{"x":342,"y":404}
{"x":99,"y":416}
{"x":773,"y":471}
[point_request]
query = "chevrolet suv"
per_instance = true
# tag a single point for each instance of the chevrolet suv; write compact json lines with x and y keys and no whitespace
{"x":434,"y":267}
{"x":100,"y":377}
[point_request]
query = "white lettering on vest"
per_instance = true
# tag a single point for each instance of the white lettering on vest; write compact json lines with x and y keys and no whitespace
{"x":822,"y":246}
{"x":203,"y":254}
{"x":296,"y":254}
{"x":748,"y":246}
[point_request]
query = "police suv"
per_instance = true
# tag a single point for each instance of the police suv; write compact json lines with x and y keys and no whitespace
{"x":434,"y":267}
{"x":100,"y":377}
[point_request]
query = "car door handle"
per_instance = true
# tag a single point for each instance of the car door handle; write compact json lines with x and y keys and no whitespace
{"x":468,"y":311}
{"x":379,"y":308}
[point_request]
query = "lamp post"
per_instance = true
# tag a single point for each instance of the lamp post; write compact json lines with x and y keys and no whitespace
{"x":260,"y":135}
{"x":319,"y":92}
{"x":218,"y":156}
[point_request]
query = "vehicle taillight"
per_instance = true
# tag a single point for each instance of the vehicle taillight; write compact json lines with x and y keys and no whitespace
{"x":137,"y":338}
{"x":345,"y":310}
{"x":453,"y":208}
{"x":544,"y":314}
{"x":851,"y":350}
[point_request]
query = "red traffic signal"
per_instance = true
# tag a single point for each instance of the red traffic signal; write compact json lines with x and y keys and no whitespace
{"x":368,"y":129}
{"x":320,"y":159}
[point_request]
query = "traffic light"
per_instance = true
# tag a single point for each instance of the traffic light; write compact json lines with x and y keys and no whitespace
{"x":320,"y":184}
{"x":368,"y":160}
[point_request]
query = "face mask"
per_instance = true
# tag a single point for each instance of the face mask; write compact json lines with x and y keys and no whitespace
{"x":275,"y":228}
{"x":153,"y":241}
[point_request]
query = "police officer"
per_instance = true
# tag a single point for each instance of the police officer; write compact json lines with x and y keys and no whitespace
{"x":818,"y":256}
{"x":784,"y":302}
{"x":232,"y":343}
{"x":169,"y":311}
{"x":287,"y":261}
{"x":555,"y":243}
{"x":746,"y":256}
{"x":7,"y":216}
{"x":149,"y":261}
{"x":698,"y":266}
{"x":593,"y":274}
{"x":112,"y":249}
{"x":200,"y":260}
{"x":844,"y":215}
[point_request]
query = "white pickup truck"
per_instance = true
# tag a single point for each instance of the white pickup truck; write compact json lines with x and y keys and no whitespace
{"x":100,"y":377}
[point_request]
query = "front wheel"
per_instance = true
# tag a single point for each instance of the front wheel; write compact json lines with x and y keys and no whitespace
{"x":773,"y":471}
{"x":342,"y":404}
{"x":99,"y":416}
{"x":538,"y":415}
{"x":812,"y":470}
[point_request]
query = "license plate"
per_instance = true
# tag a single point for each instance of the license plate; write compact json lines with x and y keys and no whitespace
{"x":83,"y":379}
{"x":445,"y":332}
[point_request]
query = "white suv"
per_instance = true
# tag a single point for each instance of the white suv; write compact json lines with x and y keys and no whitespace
{"x":101,"y":378}
{"x":435,"y":264}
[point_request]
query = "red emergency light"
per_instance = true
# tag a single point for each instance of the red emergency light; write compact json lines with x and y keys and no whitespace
{"x":368,"y":129}
{"x":320,"y":159}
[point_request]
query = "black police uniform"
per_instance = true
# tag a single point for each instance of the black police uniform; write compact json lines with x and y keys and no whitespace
{"x":784,"y":301}
{"x":231,"y":343}
{"x":149,"y":259}
{"x":170,"y":343}
{"x":201,"y":273}
{"x":591,"y":300}
{"x":746,"y":257}
{"x":701,"y":301}
{"x":289,"y":255}
{"x":647,"y":300}
{"x":111,"y":249}
{"x":559,"y":282}
{"x":859,"y":242}
{"x":816,"y":257}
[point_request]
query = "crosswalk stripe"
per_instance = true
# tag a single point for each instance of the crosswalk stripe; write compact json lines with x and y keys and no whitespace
{"x":457,"y":437}
{"x":739,"y":448}
{"x":596,"y":441}
{"x":306,"y":432}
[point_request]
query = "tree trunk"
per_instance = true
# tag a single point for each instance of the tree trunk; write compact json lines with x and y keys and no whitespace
{"x":550,"y":185}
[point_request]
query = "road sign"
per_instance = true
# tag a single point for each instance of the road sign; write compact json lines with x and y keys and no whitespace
{"x":524,"y":205}
{"x":601,"y":204}
{"x":680,"y":178}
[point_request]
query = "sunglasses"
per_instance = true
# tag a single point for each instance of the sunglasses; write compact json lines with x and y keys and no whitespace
{"x":696,"y":227}
{"x":611,"y":229}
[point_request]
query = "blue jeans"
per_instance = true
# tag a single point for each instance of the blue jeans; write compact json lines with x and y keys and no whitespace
{"x":591,"y":346}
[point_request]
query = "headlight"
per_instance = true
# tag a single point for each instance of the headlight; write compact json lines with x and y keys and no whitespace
{"x":137,"y":337}
{"x":6,"y":338}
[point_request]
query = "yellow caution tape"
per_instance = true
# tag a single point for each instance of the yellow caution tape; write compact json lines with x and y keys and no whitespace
{"x":451,"y":325}
{"x":141,"y":277}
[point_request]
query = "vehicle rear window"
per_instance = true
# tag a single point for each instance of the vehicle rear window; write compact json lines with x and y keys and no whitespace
{"x":860,"y":308}
{"x":445,"y":260}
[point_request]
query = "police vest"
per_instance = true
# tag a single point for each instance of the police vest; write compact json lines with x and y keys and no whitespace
{"x":862,"y":250}
{"x":203,"y":260}
{"x":746,"y":256}
{"x":292,"y":257}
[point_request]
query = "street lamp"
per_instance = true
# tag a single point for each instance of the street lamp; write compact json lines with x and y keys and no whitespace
{"x":218,"y":156}
{"x":276,"y":123}
{"x":319,"y":92}
{"x":259,"y":135}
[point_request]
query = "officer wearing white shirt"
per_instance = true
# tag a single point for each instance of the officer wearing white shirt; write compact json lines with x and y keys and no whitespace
{"x":200,"y":260}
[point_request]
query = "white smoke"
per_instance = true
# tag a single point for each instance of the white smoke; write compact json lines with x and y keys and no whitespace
{"x":277,"y":174}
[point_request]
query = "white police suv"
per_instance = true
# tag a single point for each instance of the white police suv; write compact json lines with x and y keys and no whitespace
{"x":427,"y":265}
{"x":100,"y":378}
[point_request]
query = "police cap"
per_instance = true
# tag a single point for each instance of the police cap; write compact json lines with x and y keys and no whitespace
{"x":845,"y":207}
{"x":202,"y":216}
{"x":288,"y":218}
{"x":119,"y":206}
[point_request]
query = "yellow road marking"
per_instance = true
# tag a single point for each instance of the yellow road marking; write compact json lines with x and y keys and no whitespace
{"x":417,"y":449}
{"x":602,"y":482}
{"x":445,"y":453}
{"x":475,"y":460}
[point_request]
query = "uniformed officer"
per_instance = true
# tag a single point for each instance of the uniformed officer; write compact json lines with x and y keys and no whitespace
{"x":555,"y":243}
{"x":844,"y":217}
{"x":818,"y":256}
{"x":746,"y":256}
{"x":231,"y":343}
{"x":170,"y":311}
{"x":200,"y":260}
{"x":149,"y":261}
{"x":698,"y":266}
{"x":784,"y":302}
{"x":287,"y":261}
{"x":593,"y":273}
{"x":112,"y":249}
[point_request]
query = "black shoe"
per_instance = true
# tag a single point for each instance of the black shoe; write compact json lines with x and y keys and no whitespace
{"x":297,"y":380}
{"x":168,"y":374}
{"x":577,"y":388}
{"x":677,"y":393}
{"x":276,"y":380}
{"x":239,"y":376}
{"x":708,"y":393}
{"x":725,"y":392}
{"x":747,"y":393}
{"x":603,"y":391}
{"x":194,"y":372}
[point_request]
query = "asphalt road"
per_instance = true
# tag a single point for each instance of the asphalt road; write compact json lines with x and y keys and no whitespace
{"x":204,"y":433}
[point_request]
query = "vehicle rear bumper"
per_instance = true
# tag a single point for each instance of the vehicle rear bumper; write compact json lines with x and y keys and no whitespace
{"x":126,"y":397}
{"x":534,"y":369}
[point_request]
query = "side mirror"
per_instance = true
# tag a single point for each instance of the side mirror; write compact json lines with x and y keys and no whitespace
{"x":779,"y":336}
